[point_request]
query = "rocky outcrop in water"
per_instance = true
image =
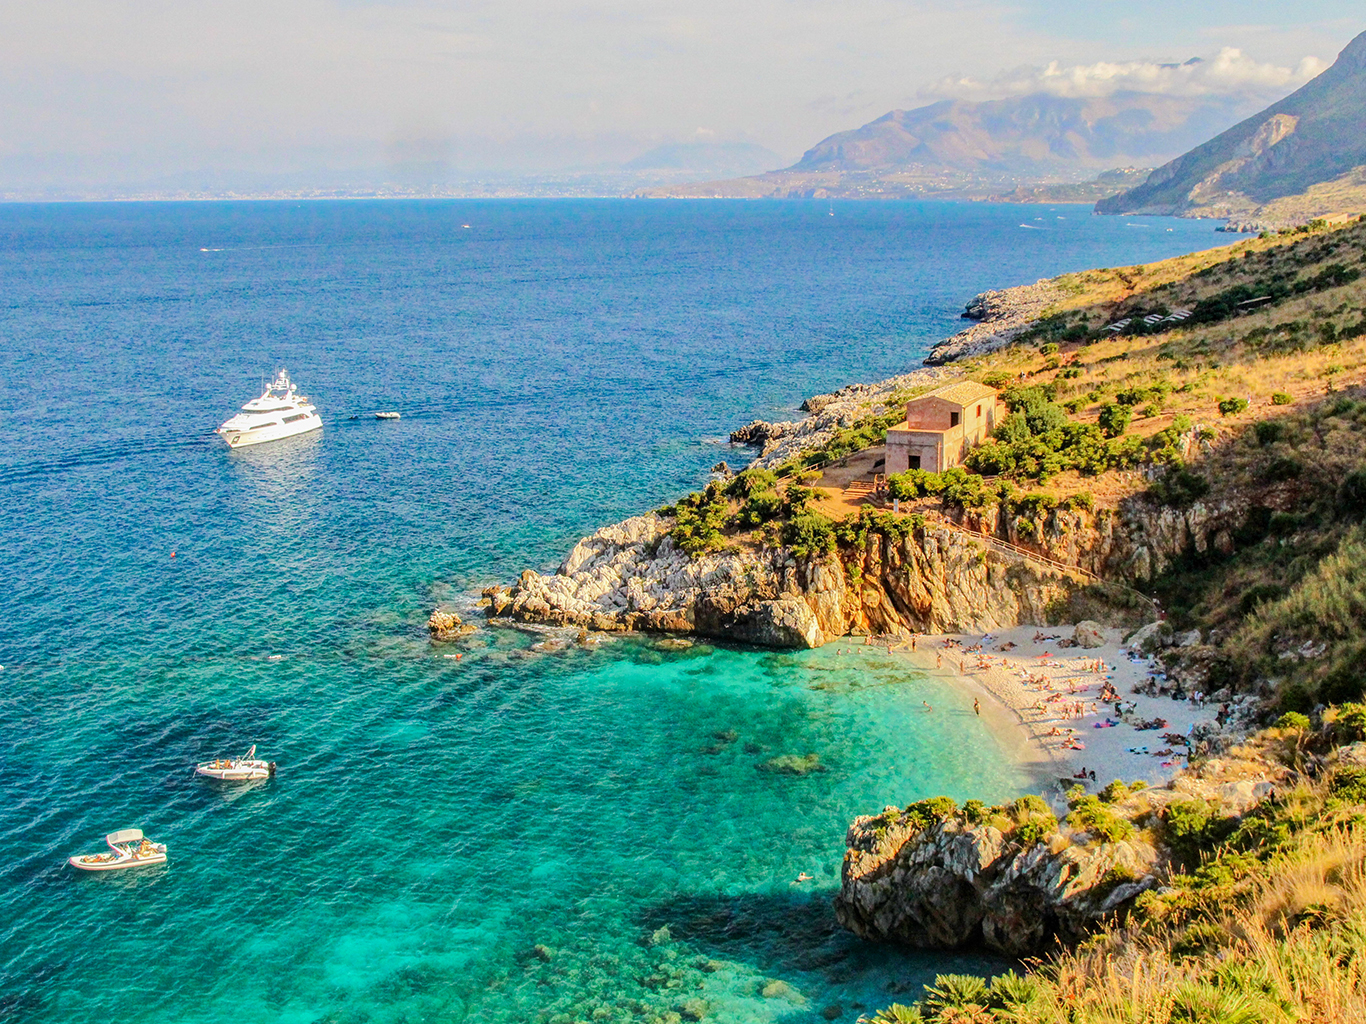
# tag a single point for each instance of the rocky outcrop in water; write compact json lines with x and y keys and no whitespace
{"x":446,"y":625}
{"x":1001,"y":317}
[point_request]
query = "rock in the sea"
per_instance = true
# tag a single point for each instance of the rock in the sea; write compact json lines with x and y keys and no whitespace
{"x":759,"y":433}
{"x":445,"y":625}
{"x":794,"y":764}
{"x":1089,"y":634}
{"x":777,"y":989}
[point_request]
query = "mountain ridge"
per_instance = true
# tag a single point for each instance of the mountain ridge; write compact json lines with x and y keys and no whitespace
{"x":1315,"y":137}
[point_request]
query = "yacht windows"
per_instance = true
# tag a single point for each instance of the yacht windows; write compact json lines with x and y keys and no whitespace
{"x":296,"y":419}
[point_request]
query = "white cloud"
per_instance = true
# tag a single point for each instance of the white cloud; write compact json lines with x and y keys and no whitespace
{"x":1230,"y":72}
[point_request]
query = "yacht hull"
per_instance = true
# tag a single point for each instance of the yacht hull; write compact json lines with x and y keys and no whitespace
{"x":278,"y":432}
{"x":85,"y":863}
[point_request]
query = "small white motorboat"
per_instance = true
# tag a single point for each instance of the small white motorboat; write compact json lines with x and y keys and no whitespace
{"x":388,"y":416}
{"x":128,"y":847}
{"x":237,"y":769}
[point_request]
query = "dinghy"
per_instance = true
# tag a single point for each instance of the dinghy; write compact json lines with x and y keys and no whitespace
{"x":239,"y":769}
{"x":129,"y":848}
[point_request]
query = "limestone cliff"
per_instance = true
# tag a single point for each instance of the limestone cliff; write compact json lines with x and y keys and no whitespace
{"x":631,"y":576}
{"x":953,"y":885}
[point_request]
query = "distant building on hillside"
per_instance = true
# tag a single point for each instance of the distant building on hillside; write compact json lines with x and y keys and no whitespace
{"x":942,"y":426}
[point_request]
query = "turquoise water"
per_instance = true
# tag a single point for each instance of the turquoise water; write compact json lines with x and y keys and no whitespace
{"x":434,"y":820}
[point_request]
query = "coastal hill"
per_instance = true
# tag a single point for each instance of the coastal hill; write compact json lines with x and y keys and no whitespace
{"x":1193,"y":429}
{"x":979,"y":149}
{"x":1301,"y":158}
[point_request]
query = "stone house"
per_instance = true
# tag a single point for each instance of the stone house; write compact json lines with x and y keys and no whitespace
{"x":942,"y":426}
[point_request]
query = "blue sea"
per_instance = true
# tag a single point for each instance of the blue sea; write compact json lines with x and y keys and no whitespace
{"x":513,"y":835}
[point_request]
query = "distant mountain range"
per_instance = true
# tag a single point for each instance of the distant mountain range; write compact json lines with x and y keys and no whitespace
{"x":1026,"y":136}
{"x":1302,"y":157}
{"x":998,"y":148}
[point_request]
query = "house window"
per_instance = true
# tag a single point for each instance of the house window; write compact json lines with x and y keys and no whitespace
{"x":979,"y":412}
{"x":953,"y":419}
{"x":915,"y":462}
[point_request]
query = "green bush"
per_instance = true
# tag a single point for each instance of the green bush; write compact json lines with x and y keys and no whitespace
{"x":1089,"y":814}
{"x":1179,"y":488}
{"x":1349,"y":783}
{"x":1292,"y":720}
{"x":1281,"y":398}
{"x":749,"y":482}
{"x":699,"y":519}
{"x":1114,"y":418}
{"x":1014,"y":992}
{"x":808,"y":534}
{"x":761,"y":507}
{"x":1114,"y":792}
{"x":1351,"y":496}
{"x":1232,"y":406}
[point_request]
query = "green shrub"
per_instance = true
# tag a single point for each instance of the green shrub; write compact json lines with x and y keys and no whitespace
{"x":808,"y":533}
{"x":699,"y":519}
{"x":1351,"y":496}
{"x":1349,"y":783}
{"x":924,"y":813}
{"x":1114,"y":419}
{"x":1114,"y":792}
{"x":1050,"y":349}
{"x":1179,"y":488}
{"x":761,"y":507}
{"x":1281,"y":398}
{"x":974,"y":812}
{"x":1090,"y":815}
{"x":749,"y":482}
{"x":1292,"y":720}
{"x":1350,"y":722}
{"x":1232,"y":406}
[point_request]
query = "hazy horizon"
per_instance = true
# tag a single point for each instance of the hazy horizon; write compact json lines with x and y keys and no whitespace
{"x":103,"y":97}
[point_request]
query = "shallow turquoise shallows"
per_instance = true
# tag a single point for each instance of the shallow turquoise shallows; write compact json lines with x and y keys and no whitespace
{"x":515,"y":834}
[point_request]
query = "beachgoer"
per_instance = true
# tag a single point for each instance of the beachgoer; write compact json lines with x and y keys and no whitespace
{"x":938,"y":661}
{"x":976,"y":705}
{"x":927,"y":705}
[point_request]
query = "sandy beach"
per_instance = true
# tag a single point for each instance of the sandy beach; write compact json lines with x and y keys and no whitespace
{"x":1057,"y":692}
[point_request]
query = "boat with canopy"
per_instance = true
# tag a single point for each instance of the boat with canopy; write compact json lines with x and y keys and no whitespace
{"x":128,"y":848}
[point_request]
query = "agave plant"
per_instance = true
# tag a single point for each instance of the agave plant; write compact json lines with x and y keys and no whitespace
{"x":1015,"y":994}
{"x":955,"y":992}
{"x":895,"y":1014}
{"x":1196,"y":1003}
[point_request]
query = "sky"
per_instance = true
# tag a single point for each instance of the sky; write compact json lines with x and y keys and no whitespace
{"x":104,"y":91}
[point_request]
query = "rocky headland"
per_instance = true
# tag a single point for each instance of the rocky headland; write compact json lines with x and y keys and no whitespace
{"x":984,"y":570}
{"x":1014,"y":878}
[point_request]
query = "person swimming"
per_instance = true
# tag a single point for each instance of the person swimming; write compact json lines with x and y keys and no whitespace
{"x":927,"y":705}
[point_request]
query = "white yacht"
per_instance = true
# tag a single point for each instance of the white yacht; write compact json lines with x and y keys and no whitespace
{"x":280,"y":412}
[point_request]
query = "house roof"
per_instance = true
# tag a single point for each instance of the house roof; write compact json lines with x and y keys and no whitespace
{"x":963,"y":392}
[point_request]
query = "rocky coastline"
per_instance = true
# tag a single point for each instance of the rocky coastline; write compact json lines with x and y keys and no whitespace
{"x":946,"y":880}
{"x":1014,"y":879}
